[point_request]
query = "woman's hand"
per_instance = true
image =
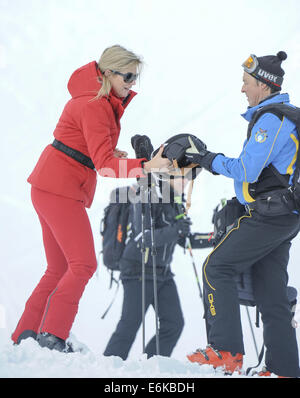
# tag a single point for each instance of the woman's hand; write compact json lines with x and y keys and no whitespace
{"x":158,"y":163}
{"x":120,"y":154}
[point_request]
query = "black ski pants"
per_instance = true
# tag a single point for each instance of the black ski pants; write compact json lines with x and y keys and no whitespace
{"x":169,"y":313}
{"x":262,"y":243}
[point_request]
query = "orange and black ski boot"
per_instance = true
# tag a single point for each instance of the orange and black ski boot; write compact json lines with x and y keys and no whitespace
{"x":266,"y":373}
{"x":210,"y":356}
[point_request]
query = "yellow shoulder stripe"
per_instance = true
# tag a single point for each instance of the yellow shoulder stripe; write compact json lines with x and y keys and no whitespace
{"x":290,"y":170}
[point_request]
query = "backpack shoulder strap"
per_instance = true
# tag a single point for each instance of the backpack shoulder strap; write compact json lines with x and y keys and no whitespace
{"x":272,"y":108}
{"x":280,"y":110}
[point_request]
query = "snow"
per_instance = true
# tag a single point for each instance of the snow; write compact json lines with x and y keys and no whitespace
{"x":191,"y":83}
{"x":23,"y":361}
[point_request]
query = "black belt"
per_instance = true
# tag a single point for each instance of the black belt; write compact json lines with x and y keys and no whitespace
{"x":74,"y":154}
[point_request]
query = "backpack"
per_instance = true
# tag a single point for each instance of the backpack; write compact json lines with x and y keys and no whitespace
{"x":224,"y":217}
{"x":114,"y":227}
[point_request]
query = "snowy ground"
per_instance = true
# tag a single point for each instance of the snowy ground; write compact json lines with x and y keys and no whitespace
{"x":191,"y":83}
{"x":19,"y":362}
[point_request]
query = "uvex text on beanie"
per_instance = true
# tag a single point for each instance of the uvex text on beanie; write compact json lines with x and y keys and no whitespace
{"x":269,"y":70}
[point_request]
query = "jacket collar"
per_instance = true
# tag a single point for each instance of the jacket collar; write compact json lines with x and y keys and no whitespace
{"x":272,"y":99}
{"x":119,"y":104}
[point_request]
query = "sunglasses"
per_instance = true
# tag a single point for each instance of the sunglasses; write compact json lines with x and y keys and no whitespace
{"x":250,"y":64}
{"x":127,"y":77}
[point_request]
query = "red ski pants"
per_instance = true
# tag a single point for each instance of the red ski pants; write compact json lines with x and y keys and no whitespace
{"x":71,"y":261}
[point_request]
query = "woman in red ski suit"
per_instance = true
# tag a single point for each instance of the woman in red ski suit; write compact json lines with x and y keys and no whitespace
{"x":63,"y":184}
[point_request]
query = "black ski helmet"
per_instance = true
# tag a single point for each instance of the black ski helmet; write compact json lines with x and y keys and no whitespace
{"x":175,"y":149}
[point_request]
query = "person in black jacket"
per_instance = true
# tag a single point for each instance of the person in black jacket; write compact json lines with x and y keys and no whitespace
{"x":171,"y":228}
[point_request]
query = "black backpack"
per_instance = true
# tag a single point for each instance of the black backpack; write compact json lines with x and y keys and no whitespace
{"x":114,"y":227}
{"x":224,"y":217}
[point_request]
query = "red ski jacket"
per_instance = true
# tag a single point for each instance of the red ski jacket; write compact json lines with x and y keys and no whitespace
{"x":91,"y":127}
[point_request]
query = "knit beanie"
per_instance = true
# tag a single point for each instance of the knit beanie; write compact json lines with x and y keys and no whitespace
{"x":269,"y":70}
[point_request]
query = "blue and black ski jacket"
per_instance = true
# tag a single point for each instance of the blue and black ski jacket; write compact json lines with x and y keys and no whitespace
{"x":271,"y":141}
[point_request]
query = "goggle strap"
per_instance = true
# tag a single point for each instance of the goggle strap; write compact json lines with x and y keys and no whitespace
{"x":189,"y":196}
{"x":175,"y":164}
{"x":180,"y":171}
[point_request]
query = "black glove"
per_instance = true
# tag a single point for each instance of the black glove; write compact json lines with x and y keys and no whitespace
{"x":182,"y":242}
{"x":183,"y":227}
{"x":142,"y":146}
{"x":198,"y":154}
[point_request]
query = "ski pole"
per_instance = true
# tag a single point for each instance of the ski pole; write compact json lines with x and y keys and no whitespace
{"x":252,"y":332}
{"x":153,"y":253}
{"x":143,"y":250}
{"x":189,"y":247}
{"x":143,"y":148}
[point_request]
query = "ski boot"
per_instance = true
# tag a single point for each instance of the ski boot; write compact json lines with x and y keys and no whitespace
{"x":266,"y":373}
{"x":25,"y":335}
{"x":53,"y":342}
{"x":210,"y":356}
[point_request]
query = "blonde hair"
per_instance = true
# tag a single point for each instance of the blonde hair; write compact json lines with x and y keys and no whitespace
{"x":116,"y":58}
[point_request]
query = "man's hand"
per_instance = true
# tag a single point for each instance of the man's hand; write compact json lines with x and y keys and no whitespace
{"x":198,"y":154}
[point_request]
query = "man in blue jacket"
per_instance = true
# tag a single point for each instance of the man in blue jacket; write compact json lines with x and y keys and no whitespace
{"x":259,"y":241}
